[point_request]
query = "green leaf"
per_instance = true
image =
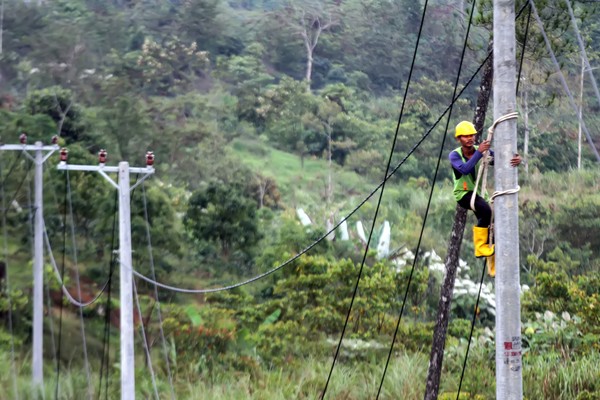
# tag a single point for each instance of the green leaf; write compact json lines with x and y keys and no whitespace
{"x":271,"y":319}
{"x":193,"y":315}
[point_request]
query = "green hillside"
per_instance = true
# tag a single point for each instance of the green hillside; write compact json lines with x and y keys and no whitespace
{"x":253,"y":110}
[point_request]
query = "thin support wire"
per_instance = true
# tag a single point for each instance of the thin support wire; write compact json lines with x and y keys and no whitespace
{"x":464,"y":367}
{"x":320,"y":239}
{"x":145,"y":340}
{"x":584,"y":55}
{"x":158,"y":311}
{"x":46,"y":285}
{"x":8,"y":296}
{"x":78,"y":286}
{"x":433,"y":182}
{"x":46,"y":281}
{"x":563,"y":81}
{"x":57,"y":274}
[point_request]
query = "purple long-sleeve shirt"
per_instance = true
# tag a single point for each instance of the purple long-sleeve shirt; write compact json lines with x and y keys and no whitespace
{"x":465,"y":168}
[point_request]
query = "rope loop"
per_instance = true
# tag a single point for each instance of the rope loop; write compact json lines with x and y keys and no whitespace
{"x":501,"y":119}
{"x":486,"y":159}
{"x":504,"y":192}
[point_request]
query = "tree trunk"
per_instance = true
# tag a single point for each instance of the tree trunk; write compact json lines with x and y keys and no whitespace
{"x":309,"y":64}
{"x":451,"y":262}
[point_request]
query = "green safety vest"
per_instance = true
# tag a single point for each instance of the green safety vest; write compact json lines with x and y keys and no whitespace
{"x":464,"y":183}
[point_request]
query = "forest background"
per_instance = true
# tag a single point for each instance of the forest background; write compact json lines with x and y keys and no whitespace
{"x":255,"y":110}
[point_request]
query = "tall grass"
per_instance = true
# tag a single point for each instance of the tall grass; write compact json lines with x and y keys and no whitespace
{"x":545,"y":376}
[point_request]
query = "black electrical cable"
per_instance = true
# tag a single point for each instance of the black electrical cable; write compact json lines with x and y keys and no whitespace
{"x":524,"y":43}
{"x":351,"y":213}
{"x":14,"y":196}
{"x":60,"y":275}
{"x":64,"y":251}
{"x":7,"y":287}
{"x":389,"y":162}
{"x":464,"y":367}
{"x":456,"y":83}
{"x":12,"y":167}
{"x":106,"y":336}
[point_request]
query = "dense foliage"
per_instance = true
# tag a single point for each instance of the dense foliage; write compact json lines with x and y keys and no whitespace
{"x":254,"y":110}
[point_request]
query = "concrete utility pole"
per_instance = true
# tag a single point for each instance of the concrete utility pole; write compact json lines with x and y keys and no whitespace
{"x":509,"y":380}
{"x":37,"y":363}
{"x":126,"y":273}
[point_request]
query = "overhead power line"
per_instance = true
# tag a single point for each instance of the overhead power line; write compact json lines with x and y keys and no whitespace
{"x":78,"y":287}
{"x":70,"y":298}
{"x":329,"y":232}
{"x":13,"y":369}
{"x":434,"y":179}
{"x":563,"y":80}
{"x":158,"y":310}
{"x":584,"y":55}
{"x":387,"y":168}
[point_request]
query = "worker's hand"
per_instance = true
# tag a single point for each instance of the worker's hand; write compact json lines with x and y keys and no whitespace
{"x":484,"y":146}
{"x":516,"y":160}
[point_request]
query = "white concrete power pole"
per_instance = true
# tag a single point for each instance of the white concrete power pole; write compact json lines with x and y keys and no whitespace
{"x":37,"y":363}
{"x":125,"y":271}
{"x":509,"y":380}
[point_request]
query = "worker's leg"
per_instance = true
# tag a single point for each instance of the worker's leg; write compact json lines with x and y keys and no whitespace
{"x":483,"y":212}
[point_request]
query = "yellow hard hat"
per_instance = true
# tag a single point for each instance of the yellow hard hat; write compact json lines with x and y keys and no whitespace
{"x":465,"y":128}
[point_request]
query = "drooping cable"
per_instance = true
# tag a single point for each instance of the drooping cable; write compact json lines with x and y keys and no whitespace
{"x":433,"y":183}
{"x":14,"y":196}
{"x":145,"y":341}
{"x":8,"y":292}
{"x":59,"y":275}
{"x":330,"y":231}
{"x":46,"y":281}
{"x":78,"y":287}
{"x":387,"y":168}
{"x":62,"y":273}
{"x":563,"y":81}
{"x":317,"y":241}
{"x":106,"y":337}
{"x":11,"y":169}
{"x":158,"y":310}
{"x":320,"y":239}
{"x":64,"y":289}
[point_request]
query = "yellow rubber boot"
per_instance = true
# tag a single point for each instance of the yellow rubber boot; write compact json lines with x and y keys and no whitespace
{"x":491,"y":265}
{"x":480,"y":239}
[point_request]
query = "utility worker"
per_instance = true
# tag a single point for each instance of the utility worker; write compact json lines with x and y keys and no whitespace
{"x":464,"y":161}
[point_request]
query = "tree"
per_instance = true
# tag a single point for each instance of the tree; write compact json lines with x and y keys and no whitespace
{"x":192,"y":20}
{"x":171,"y":65}
{"x":248,"y":78}
{"x":283,"y":108}
{"x":223,"y":215}
{"x":58,"y":103}
{"x":309,"y":21}
{"x":375,"y":41}
{"x":583,"y":211}
{"x":124,"y":122}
